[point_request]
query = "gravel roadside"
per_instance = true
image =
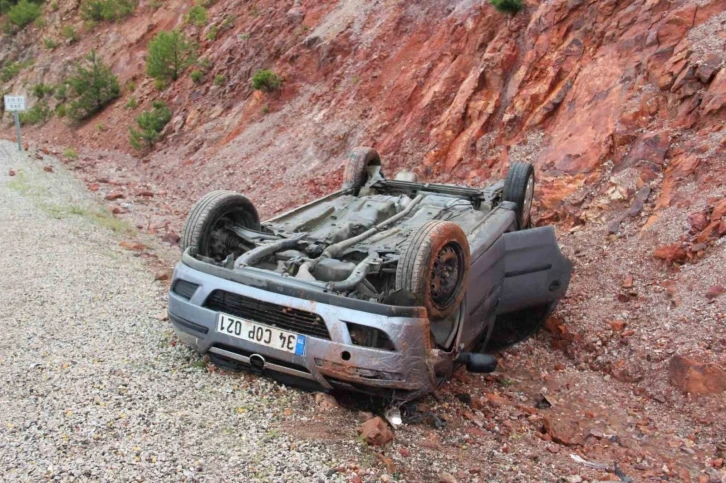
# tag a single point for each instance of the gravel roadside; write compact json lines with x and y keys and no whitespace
{"x":92,"y":385}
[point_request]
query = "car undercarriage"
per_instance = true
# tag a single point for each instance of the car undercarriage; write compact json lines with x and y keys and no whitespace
{"x":385,"y":285}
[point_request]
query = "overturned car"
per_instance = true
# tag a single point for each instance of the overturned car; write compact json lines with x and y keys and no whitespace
{"x":385,"y":286}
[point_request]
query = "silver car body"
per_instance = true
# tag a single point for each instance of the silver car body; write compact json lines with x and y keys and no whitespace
{"x":511,"y":271}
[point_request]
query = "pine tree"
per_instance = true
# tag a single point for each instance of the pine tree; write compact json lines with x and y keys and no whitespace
{"x":93,"y":86}
{"x":169,"y":54}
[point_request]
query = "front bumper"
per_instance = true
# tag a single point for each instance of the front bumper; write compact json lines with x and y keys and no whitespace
{"x":407,"y":371}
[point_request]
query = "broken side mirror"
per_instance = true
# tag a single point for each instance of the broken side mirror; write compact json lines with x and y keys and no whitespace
{"x":478,"y":363}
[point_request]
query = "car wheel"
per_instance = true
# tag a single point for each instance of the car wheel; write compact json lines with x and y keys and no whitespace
{"x":434,"y":268}
{"x":204,"y":227}
{"x":519,"y":189}
{"x":357,"y":168}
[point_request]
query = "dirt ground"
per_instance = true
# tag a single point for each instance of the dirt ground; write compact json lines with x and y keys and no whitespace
{"x":586,"y":387}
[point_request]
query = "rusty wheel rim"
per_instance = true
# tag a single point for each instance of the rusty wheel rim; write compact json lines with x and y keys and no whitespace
{"x":446,"y":275}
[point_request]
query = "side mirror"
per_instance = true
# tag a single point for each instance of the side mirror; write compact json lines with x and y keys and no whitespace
{"x":478,"y":363}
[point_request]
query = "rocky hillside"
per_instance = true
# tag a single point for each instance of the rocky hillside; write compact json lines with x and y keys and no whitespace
{"x":619,"y":104}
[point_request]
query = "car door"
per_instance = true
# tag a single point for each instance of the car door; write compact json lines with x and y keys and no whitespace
{"x":535,"y":271}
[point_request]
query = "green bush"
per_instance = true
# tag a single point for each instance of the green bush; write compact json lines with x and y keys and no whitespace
{"x":132,"y":103}
{"x":109,"y":10}
{"x":69,"y":33}
{"x":266,"y":80}
{"x":12,"y":69}
{"x":41,"y":90}
{"x":49,"y":43}
{"x":219,"y":80}
{"x":93,"y":87}
{"x":61,"y":92}
{"x":205,"y":64}
{"x":196,"y":76}
{"x":212,"y":34}
{"x":70,"y":153}
{"x":61,"y":110}
{"x":507,"y":6}
{"x":197,"y":16}
{"x":24,"y":13}
{"x":38,"y":114}
{"x":150,"y":123}
{"x":170,"y":53}
{"x":228,"y":23}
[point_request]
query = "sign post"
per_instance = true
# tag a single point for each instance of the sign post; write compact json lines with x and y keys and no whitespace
{"x":16,"y":104}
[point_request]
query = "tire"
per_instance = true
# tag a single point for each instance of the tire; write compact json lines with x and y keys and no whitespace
{"x":356,"y":169}
{"x":209,"y":211}
{"x":436,"y":246}
{"x":519,"y":189}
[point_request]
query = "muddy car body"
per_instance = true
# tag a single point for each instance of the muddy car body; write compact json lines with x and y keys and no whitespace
{"x":384,"y":286}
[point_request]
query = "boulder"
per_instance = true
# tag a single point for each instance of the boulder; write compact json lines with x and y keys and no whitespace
{"x":376,"y":432}
{"x":325,"y":401}
{"x":698,"y":221}
{"x":719,"y":210}
{"x":114,"y":195}
{"x":695,"y":377}
{"x":564,"y":430}
{"x":671,"y":253}
{"x":715,"y":291}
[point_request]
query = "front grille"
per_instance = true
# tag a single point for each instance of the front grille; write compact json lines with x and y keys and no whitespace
{"x":267,"y":313}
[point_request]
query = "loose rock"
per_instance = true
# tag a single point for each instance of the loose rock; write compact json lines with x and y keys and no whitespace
{"x":694,"y":377}
{"x":376,"y":432}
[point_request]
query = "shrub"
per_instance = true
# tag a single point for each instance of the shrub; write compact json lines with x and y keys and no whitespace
{"x":266,"y":80}
{"x":93,"y":86}
{"x":219,"y":80}
{"x":228,"y":23}
{"x":205,"y":64}
{"x":49,"y":43}
{"x":150,"y":123}
{"x":70,"y":153}
{"x":507,"y":6}
{"x":197,"y":16}
{"x":61,"y":110}
{"x":69,"y":33}
{"x":61,"y":91}
{"x":12,"y":69}
{"x":98,"y":10}
{"x":132,"y":103}
{"x":24,"y":13}
{"x":38,"y":114}
{"x":130,"y":86}
{"x":196,"y":76}
{"x":40,"y":90}
{"x":159,"y":84}
{"x":212,"y":34}
{"x":170,"y":53}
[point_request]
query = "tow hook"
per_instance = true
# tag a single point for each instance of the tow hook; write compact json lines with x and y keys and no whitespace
{"x":478,"y":363}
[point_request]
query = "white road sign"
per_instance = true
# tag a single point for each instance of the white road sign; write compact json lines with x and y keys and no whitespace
{"x":14,"y":103}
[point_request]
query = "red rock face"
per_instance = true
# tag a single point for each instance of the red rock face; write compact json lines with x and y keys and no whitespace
{"x":452,"y":93}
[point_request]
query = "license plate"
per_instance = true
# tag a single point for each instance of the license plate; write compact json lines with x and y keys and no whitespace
{"x":261,"y":334}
